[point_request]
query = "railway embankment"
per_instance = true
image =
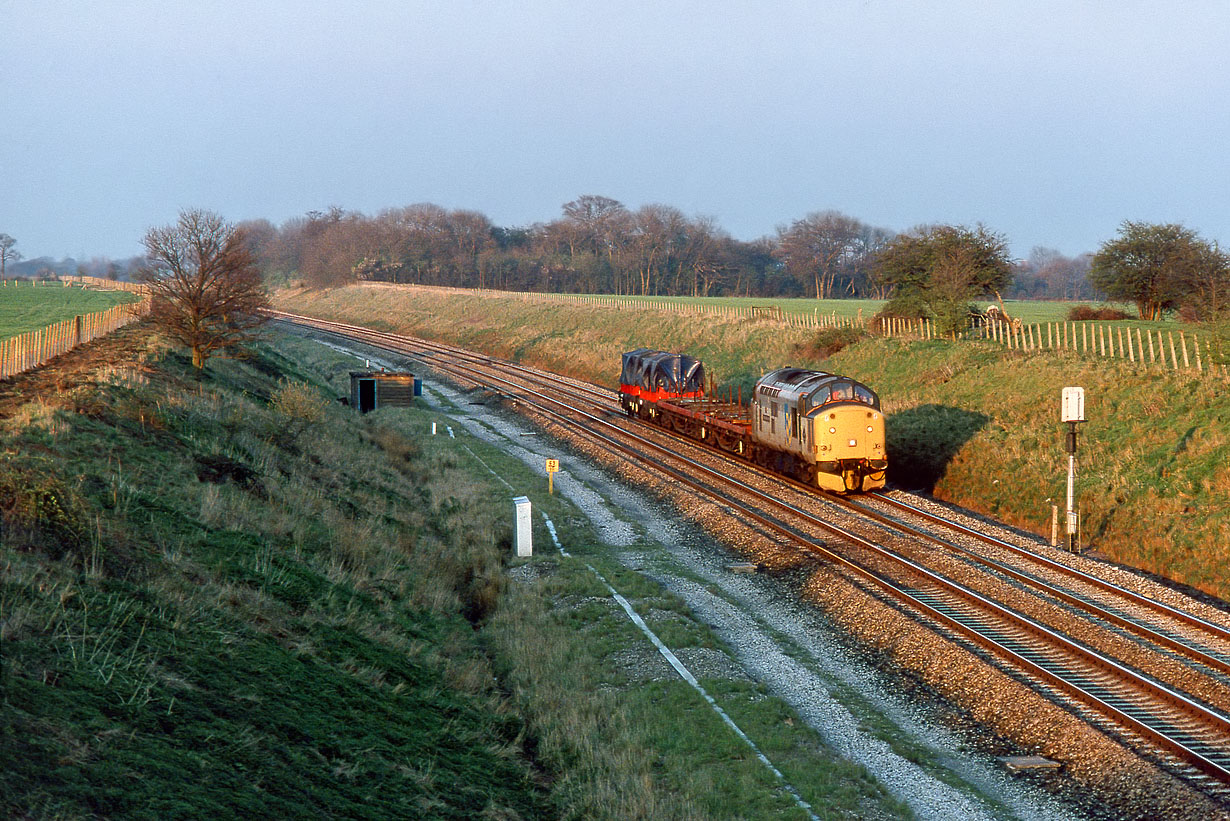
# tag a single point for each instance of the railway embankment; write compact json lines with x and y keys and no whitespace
{"x":972,"y":423}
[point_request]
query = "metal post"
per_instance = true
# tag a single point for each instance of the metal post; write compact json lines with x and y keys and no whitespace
{"x":1072,"y":486}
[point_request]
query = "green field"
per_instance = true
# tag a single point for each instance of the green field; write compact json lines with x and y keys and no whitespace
{"x":1028,"y":311}
{"x":26,"y":307}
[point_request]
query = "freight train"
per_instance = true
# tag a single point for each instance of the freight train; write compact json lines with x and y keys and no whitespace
{"x":821,"y":428}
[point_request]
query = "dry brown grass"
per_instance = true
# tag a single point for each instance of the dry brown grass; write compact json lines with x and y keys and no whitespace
{"x":1152,"y":483}
{"x":579,"y":340}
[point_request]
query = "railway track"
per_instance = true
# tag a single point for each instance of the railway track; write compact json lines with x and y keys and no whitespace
{"x":1185,"y":732}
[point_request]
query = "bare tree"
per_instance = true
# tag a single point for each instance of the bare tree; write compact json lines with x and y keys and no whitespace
{"x":206,"y":285}
{"x":1048,"y":274}
{"x":655,"y":234}
{"x":862,"y":277}
{"x":595,"y":223}
{"x":817,"y":246}
{"x":7,"y":254}
{"x":469,"y":235}
{"x":1209,"y":284}
{"x":702,"y":253}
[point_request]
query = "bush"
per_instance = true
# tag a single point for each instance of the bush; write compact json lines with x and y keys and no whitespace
{"x":831,"y":340}
{"x":299,"y":407}
{"x":908,"y":306}
{"x":38,"y":512}
{"x":1080,"y":313}
{"x":300,"y":401}
{"x":949,"y":316}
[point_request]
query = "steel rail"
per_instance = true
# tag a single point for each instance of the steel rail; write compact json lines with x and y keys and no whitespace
{"x":1189,"y":619}
{"x":1204,"y":656}
{"x":1200,"y":655}
{"x":1217,"y":767}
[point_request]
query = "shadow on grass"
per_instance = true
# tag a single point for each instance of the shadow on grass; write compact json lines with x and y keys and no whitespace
{"x":922,"y":441}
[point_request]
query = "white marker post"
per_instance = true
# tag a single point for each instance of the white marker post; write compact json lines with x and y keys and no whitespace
{"x":524,"y":541}
{"x":1073,"y":412}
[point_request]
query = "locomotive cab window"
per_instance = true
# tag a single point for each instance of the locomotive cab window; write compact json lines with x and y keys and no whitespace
{"x":843,"y":392}
{"x":865,"y":396}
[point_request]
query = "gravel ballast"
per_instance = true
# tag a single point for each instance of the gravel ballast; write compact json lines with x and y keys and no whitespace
{"x":790,"y":646}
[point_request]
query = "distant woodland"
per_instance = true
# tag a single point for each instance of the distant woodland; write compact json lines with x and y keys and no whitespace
{"x":597,"y":245}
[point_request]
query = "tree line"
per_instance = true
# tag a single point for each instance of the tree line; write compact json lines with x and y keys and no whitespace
{"x":600,"y":246}
{"x":208,"y":276}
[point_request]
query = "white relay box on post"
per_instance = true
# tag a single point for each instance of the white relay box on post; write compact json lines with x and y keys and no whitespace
{"x":1073,"y":404}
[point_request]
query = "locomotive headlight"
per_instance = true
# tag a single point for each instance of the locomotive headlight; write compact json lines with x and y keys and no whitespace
{"x":869,"y":429}
{"x":832,"y":430}
{"x":853,"y":443}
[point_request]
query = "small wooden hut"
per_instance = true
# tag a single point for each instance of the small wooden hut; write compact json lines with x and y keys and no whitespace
{"x":383,"y":389}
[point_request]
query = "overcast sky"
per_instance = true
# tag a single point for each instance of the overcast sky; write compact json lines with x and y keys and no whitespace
{"x":1049,"y":122}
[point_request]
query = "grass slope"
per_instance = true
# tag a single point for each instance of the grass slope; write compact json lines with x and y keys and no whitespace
{"x":975,"y":423}
{"x":27,"y":307}
{"x":1028,"y":311}
{"x":209,"y":611}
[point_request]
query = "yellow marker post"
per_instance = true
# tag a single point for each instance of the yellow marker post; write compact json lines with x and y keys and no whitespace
{"x":552,"y":469}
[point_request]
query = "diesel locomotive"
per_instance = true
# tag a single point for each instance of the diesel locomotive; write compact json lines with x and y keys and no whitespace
{"x":823,"y":429}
